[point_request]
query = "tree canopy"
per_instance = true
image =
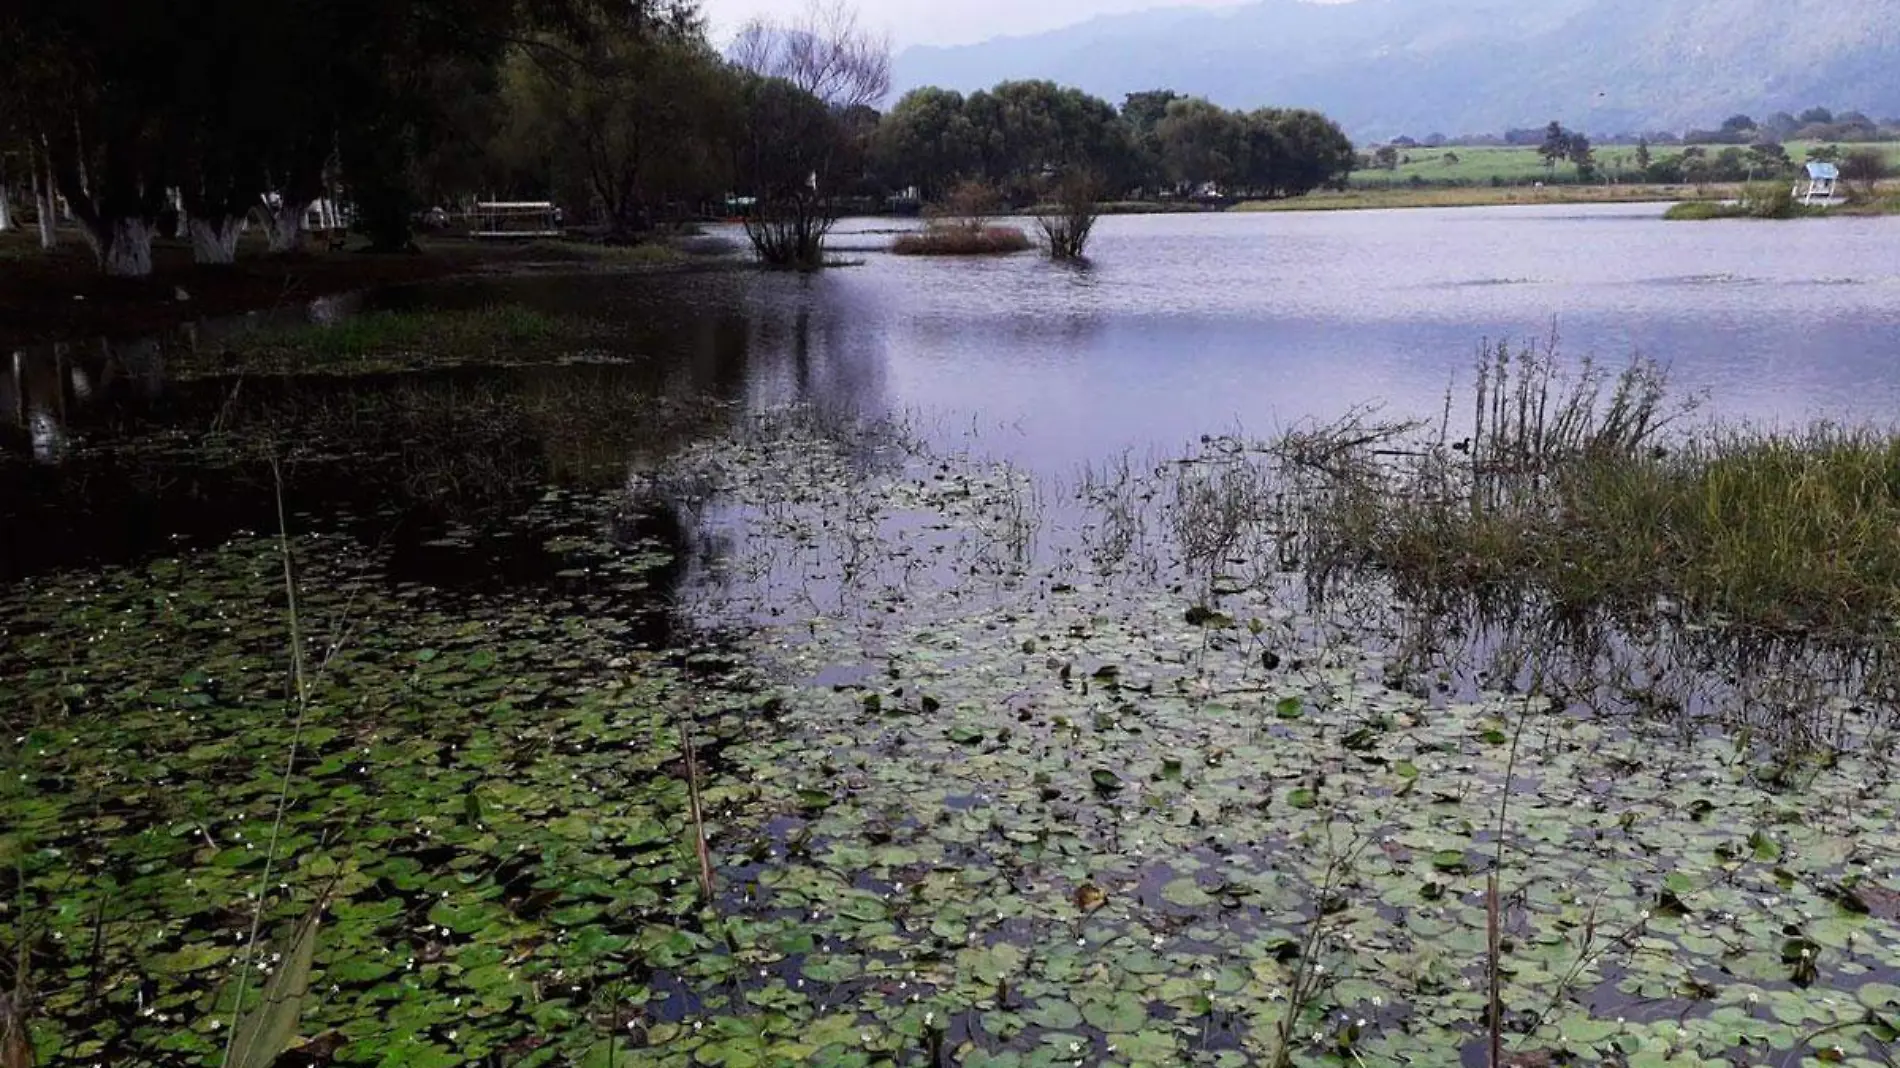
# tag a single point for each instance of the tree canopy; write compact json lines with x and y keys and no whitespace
{"x":618,"y":109}
{"x":1018,"y":135}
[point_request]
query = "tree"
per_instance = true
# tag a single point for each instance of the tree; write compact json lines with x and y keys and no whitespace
{"x":825,"y":52}
{"x":1293,"y":151}
{"x":244,"y":102}
{"x":1862,"y":168}
{"x":927,"y":141}
{"x":1201,"y":144}
{"x":1144,"y":111}
{"x":1667,"y":170}
{"x":1642,"y":154}
{"x":1769,"y":157}
{"x":1781,"y":124}
{"x":94,"y":82}
{"x":1030,"y":130}
{"x":786,"y":157}
{"x":635,"y":111}
{"x":1738,"y":124}
{"x":1816,"y":117}
{"x":1386,"y":157}
{"x":1581,"y":155}
{"x":1556,"y":146}
{"x":1070,"y":219}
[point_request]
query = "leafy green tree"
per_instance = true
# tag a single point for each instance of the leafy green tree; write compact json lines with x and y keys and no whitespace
{"x":634,"y":111}
{"x":1769,"y":158}
{"x":95,"y":82}
{"x":1862,"y":169}
{"x":928,"y":141}
{"x":1556,"y":146}
{"x":1667,"y":170}
{"x":246,"y":102}
{"x":1143,"y":113}
{"x":1308,"y":151}
{"x":1202,"y":144}
{"x":1028,"y":131}
{"x":1581,"y":155}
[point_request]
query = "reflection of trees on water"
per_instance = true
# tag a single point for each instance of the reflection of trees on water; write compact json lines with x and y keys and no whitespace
{"x":393,"y":457}
{"x":52,"y":391}
{"x":817,"y":347}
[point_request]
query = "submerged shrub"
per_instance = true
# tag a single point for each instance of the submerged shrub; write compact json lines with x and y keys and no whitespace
{"x":1067,"y":224}
{"x":960,"y":241}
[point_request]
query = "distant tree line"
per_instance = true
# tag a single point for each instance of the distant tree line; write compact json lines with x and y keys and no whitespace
{"x":1158,"y":142}
{"x":1813,"y":124}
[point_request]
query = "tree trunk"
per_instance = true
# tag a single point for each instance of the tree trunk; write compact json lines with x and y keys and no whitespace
{"x":49,"y":219}
{"x":285,"y":223}
{"x":123,"y":245}
{"x":6,"y":209}
{"x":214,"y":241}
{"x":45,"y":209}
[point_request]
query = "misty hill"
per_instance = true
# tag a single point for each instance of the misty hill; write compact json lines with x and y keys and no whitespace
{"x":1389,"y":67}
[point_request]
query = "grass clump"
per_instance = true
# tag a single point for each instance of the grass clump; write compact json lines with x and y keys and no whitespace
{"x":1574,"y":488}
{"x":397,"y":340}
{"x":941,"y":240}
{"x":1698,"y":210}
{"x":1763,"y":200}
{"x":960,"y":226}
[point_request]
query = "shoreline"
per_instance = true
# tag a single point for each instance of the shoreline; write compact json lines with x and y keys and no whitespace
{"x":1483,"y":197}
{"x":59,"y":295}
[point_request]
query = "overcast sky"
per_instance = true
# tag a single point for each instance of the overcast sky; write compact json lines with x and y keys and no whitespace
{"x":946,"y":21}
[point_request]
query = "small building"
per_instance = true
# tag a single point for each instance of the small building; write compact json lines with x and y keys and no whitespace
{"x":1819,"y":188}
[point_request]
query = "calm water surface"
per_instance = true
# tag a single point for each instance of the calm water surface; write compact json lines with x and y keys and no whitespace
{"x":1189,"y":324}
{"x":1185,"y":325}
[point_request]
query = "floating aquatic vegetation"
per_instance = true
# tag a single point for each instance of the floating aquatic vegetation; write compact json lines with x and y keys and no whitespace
{"x":983,"y":777}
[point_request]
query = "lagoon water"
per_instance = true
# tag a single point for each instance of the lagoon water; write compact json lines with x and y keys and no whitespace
{"x":969,"y":673}
{"x":1181,"y":326}
{"x":1185,"y":325}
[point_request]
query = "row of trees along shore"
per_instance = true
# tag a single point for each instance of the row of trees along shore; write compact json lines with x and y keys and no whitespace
{"x":1741,"y":150}
{"x":193,"y":119}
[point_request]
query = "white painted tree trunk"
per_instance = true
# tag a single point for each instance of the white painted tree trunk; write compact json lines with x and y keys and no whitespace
{"x":6,"y":209}
{"x":43,"y":205}
{"x":125,"y":249}
{"x":286,"y":225}
{"x":49,"y":219}
{"x":214,"y":240}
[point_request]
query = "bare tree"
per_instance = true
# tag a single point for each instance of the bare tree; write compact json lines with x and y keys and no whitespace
{"x":1069,"y":219}
{"x":825,"y":51}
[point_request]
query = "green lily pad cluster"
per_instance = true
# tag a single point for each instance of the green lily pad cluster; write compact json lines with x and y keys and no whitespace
{"x":485,"y":792}
{"x":988,"y":778}
{"x":1066,"y":818}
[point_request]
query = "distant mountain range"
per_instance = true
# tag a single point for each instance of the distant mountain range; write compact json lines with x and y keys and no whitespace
{"x":1388,"y":67}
